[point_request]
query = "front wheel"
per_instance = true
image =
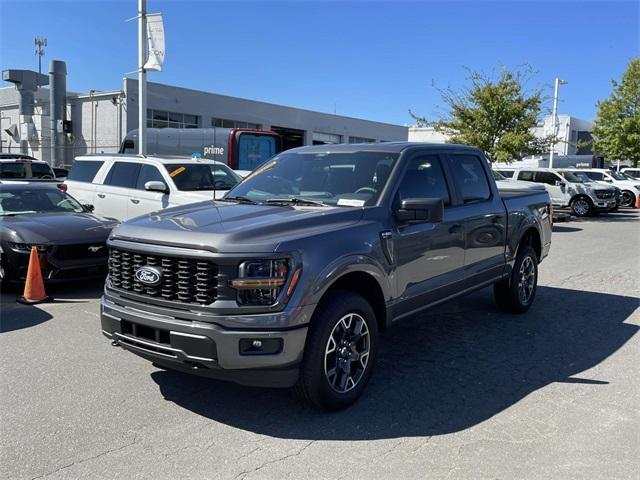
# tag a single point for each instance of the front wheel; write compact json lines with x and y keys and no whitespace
{"x":340,"y":352}
{"x":581,"y":206}
{"x":516,"y":293}
{"x":628,"y":199}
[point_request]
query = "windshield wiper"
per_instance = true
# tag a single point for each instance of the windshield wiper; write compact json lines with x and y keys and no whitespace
{"x":239,"y":199}
{"x":297,"y":201}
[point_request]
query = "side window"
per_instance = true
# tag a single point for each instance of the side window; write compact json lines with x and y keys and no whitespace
{"x":526,"y":176}
{"x":41,"y":170}
{"x":12,"y":170}
{"x":547,"y":177}
{"x":123,"y":174}
{"x":595,"y":175}
{"x":148,"y":173}
{"x":84,"y":170}
{"x":471,"y":177}
{"x":424,"y":179}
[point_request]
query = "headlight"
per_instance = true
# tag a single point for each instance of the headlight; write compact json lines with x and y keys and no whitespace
{"x":26,"y":247}
{"x":260,"y":282}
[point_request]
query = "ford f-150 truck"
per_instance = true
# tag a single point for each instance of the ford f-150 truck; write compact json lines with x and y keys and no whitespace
{"x":288,"y":280}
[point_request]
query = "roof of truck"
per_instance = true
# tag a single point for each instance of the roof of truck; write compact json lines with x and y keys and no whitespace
{"x":391,"y":147}
{"x":161,"y":159}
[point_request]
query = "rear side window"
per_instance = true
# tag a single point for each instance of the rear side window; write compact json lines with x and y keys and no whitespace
{"x":424,"y":179}
{"x":526,"y":176}
{"x":84,"y":170}
{"x":41,"y":170}
{"x":547,"y":177}
{"x":13,"y":170}
{"x":471,"y":178}
{"x":123,"y":174}
{"x":148,"y":173}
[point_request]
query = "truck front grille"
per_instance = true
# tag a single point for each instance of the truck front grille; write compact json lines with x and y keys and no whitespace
{"x":183,"y":279}
{"x":605,"y":194}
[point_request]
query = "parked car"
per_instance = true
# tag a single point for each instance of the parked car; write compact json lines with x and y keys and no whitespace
{"x":288,"y":279}
{"x":126,"y":186}
{"x":507,"y":184}
{"x":585,"y":179}
{"x":630,"y":189}
{"x":60,"y":173}
{"x":632,"y":172}
{"x":568,"y":190}
{"x":70,"y":239}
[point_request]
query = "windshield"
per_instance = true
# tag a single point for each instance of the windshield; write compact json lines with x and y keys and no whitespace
{"x":190,"y":177}
{"x":582,"y":176}
{"x":224,"y":177}
{"x":335,"y":178}
{"x":575,"y":178}
{"x":14,"y":201}
{"x":617,"y":176}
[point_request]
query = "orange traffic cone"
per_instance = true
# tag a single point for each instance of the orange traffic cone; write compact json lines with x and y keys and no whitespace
{"x":34,"y":286}
{"x":637,"y":205}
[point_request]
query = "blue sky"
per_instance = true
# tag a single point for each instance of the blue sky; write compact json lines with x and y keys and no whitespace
{"x":371,"y":60}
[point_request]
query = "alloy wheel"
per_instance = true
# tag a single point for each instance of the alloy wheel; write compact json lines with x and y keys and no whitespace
{"x":581,"y":207}
{"x":526,"y":280}
{"x":347,"y":353}
{"x":627,"y":199}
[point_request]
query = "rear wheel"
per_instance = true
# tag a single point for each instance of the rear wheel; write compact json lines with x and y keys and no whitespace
{"x":340,"y":352}
{"x":582,"y":206}
{"x":516,"y":293}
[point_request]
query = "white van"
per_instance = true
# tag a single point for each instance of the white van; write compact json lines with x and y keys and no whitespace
{"x":126,"y":186}
{"x":566,"y":189}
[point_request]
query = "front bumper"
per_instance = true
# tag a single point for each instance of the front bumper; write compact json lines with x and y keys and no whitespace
{"x":207,"y":348}
{"x":604,"y":204}
{"x":54,"y":270}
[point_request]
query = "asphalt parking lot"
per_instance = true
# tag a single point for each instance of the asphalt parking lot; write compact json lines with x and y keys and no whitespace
{"x":460,"y":392}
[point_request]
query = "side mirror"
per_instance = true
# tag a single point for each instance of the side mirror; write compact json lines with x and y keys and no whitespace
{"x":420,"y":210}
{"x":156,"y":186}
{"x":88,"y":207}
{"x":560,"y":183}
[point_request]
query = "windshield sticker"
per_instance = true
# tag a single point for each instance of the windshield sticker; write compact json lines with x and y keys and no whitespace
{"x":350,"y":202}
{"x":177,"y":171}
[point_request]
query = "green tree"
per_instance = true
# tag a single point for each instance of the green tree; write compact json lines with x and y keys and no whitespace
{"x":496,"y":115}
{"x":617,"y":129}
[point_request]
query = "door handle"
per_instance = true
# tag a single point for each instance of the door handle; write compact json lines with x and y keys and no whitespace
{"x":101,"y":195}
{"x":453,"y":229}
{"x":135,"y":200}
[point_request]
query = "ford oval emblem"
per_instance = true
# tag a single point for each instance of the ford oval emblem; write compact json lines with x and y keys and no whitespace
{"x":148,"y":275}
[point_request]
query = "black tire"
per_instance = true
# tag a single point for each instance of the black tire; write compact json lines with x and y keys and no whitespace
{"x":508,"y":293}
{"x":582,"y":206}
{"x":314,"y":384}
{"x":628,"y":198}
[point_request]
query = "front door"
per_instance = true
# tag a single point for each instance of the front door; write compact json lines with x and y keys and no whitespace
{"x":429,"y":257}
{"x":143,"y":201}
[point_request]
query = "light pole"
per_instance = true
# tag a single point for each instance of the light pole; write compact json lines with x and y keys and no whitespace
{"x":142,"y":77}
{"x":554,"y":123}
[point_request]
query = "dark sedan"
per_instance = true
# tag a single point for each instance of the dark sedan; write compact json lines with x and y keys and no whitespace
{"x":70,"y":239}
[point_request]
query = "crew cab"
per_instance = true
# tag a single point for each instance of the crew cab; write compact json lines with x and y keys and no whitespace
{"x":567,"y":190}
{"x":288,"y":279}
{"x":630,"y":189}
{"x":125,"y":186}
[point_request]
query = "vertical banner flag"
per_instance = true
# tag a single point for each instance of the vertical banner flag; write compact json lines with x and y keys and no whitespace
{"x":155,"y":35}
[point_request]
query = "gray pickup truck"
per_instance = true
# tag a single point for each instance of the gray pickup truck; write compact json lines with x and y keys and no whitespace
{"x":288,"y":280}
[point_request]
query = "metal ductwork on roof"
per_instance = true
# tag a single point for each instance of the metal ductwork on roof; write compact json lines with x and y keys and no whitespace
{"x":57,"y":110}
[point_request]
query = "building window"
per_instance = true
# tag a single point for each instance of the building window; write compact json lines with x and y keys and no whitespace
{"x":163,"y":119}
{"x":225,"y":123}
{"x":361,"y":140}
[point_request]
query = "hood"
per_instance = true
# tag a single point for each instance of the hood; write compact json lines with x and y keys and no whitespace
{"x":57,"y":228}
{"x":187,"y":197}
{"x":235,"y":228}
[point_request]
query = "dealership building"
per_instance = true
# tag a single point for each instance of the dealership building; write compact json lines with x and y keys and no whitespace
{"x":98,"y":121}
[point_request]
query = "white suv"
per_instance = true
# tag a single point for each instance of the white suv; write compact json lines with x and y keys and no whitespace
{"x":630,"y":189}
{"x":567,"y":190}
{"x":126,"y":186}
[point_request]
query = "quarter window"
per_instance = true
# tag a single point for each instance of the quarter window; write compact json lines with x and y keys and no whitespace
{"x":123,"y":174}
{"x":424,"y":179}
{"x":84,"y":171}
{"x":40,"y":170}
{"x":12,"y":170}
{"x":471,"y":177}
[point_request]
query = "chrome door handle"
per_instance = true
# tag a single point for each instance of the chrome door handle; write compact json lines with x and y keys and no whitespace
{"x":135,"y":200}
{"x":101,"y":195}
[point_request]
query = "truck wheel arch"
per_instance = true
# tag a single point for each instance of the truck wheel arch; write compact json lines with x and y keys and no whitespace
{"x":531,"y":236}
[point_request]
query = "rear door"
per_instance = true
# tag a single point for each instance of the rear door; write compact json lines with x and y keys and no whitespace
{"x":485,"y":218}
{"x":557,"y":193}
{"x":142,"y":201}
{"x":112,"y":197}
{"x":429,"y":256}
{"x":80,"y":180}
